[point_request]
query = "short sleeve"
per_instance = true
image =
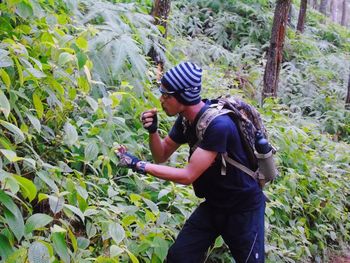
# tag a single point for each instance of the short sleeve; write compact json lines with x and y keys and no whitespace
{"x":177,"y":132}
{"x":217,"y":134}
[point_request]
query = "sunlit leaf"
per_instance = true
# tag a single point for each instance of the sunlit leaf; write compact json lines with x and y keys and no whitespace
{"x":18,"y":256}
{"x":4,"y":104}
{"x":5,"y":78}
{"x":39,"y":107}
{"x":10,"y":155}
{"x":81,"y":43}
{"x":132,"y":257}
{"x":27,"y":186}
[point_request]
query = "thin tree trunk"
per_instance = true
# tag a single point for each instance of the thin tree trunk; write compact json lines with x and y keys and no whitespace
{"x":334,"y":10}
{"x":302,"y":15}
{"x":344,"y":13}
{"x":315,"y":4}
{"x":160,"y":12}
{"x":274,"y":55}
{"x":347,"y":101}
{"x":323,"y":7}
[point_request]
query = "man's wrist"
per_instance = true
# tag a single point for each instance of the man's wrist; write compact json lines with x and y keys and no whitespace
{"x":141,"y":167}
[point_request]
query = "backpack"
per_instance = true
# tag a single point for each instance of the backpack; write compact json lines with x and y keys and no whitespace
{"x":248,"y":122}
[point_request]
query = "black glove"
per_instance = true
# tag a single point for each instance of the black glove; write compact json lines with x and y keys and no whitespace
{"x":129,"y":161}
{"x":154,"y":126}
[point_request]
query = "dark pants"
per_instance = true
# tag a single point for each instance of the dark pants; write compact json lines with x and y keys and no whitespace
{"x":242,"y":232}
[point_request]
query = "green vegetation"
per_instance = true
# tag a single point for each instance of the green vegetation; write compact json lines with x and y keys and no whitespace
{"x":74,"y":78}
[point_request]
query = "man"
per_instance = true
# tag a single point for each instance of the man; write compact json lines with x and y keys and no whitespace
{"x":234,"y":203}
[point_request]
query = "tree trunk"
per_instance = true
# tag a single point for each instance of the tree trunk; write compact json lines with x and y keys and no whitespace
{"x":334,"y":5}
{"x":302,"y":14}
{"x":347,"y":101}
{"x":344,"y":13}
{"x":160,"y":12}
{"x":274,"y":55}
{"x":323,"y":7}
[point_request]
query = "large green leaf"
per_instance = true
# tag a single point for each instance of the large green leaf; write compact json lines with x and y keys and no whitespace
{"x":34,"y":121}
{"x":18,"y":256}
{"x":4,"y":104}
{"x":76,"y":211}
{"x":37,"y":221}
{"x":60,"y":245}
{"x":132,"y":257}
{"x":116,"y":231}
{"x":160,"y":248}
{"x":5,"y":60}
{"x":91,"y":151}
{"x":5,"y":248}
{"x":56,"y":203}
{"x":71,"y":134}
{"x":27,"y":186}
{"x":13,"y":216}
{"x":15,"y":222}
{"x":10,"y":155}
{"x":24,"y":9}
{"x":45,"y":177}
{"x":17,"y":133}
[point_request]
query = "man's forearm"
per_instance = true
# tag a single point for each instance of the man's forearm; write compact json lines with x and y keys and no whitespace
{"x":176,"y":175}
{"x":156,"y":147}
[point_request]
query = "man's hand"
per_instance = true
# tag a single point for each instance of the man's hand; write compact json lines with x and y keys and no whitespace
{"x":130,"y":161}
{"x":150,"y":120}
{"x":126,"y":159}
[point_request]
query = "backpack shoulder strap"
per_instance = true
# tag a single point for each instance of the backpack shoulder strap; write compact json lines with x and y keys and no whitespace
{"x":207,"y":117}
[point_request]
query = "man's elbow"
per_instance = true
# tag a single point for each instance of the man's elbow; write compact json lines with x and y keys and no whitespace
{"x":187,"y":179}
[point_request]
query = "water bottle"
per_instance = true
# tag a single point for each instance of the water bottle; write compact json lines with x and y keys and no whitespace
{"x":261,"y":143}
{"x":264,"y":154}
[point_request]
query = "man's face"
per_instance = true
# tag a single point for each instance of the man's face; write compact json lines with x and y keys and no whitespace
{"x":169,"y":103}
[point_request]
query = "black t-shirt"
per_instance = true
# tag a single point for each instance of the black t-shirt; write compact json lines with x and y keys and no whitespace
{"x":236,"y":189}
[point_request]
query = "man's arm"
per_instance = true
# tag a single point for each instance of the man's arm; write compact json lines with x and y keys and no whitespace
{"x":199,"y":162}
{"x":161,"y":149}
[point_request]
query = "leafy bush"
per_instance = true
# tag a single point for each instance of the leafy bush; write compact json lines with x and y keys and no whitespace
{"x":74,"y":78}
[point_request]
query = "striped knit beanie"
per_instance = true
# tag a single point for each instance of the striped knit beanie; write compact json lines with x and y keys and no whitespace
{"x":186,"y":80}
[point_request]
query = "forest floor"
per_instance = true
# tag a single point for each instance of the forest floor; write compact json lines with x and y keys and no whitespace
{"x":344,"y":258}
